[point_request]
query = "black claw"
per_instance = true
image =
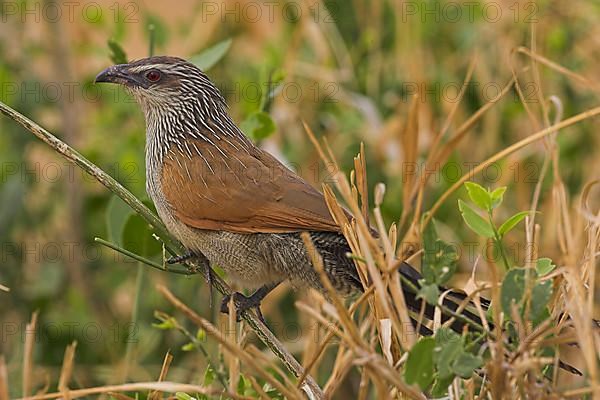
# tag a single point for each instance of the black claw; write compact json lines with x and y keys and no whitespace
{"x":180,"y":258}
{"x":243,"y":303}
{"x":208,"y":272}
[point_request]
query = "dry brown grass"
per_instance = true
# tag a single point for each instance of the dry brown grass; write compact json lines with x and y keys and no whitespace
{"x":372,"y":333}
{"x":365,"y":343}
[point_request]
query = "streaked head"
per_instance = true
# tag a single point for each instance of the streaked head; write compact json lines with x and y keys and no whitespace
{"x":162,"y":81}
{"x":178,"y":100}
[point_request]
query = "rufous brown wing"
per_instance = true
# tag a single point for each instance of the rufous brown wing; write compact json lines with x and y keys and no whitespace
{"x":241,"y":189}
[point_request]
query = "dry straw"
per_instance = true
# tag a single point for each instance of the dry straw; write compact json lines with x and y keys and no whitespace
{"x":375,"y":332}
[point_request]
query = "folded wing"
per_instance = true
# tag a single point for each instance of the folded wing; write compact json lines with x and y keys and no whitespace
{"x":240,"y":189}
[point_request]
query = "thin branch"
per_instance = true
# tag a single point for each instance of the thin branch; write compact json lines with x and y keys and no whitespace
{"x":233,"y":348}
{"x":261,"y":330}
{"x":141,"y":259}
{"x":75,"y":157}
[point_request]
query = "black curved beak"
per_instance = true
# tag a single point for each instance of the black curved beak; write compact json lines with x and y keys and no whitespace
{"x":116,"y":74}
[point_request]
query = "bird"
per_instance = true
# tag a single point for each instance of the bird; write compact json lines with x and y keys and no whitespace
{"x":233,"y":204}
{"x":229,"y":202}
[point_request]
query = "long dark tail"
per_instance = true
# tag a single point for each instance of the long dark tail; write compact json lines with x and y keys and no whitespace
{"x":334,"y":249}
{"x":453,"y":301}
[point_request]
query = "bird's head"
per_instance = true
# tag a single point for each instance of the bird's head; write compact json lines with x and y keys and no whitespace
{"x":163,"y":82}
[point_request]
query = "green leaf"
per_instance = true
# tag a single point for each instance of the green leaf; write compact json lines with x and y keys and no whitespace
{"x":244,"y":386}
{"x":479,"y":195}
{"x":448,"y":345}
{"x":513,"y":290}
{"x":465,"y":364}
{"x":443,"y":266}
{"x":167,"y":324}
{"x":475,"y":221}
{"x":209,"y":57}
{"x":117,"y":214}
{"x":137,"y":237}
{"x":209,"y":376}
{"x":188,"y":347}
{"x":439,"y":257}
{"x":419,"y":365}
{"x":429,"y":240}
{"x":446,"y":262}
{"x":540,"y":296}
{"x":544,"y":266}
{"x":117,"y":54}
{"x":430,"y":293}
{"x":497,"y":196}
{"x":184,"y":396}
{"x":510,"y":223}
{"x":489,"y":314}
{"x":440,"y":386}
{"x":271,"y":391}
{"x":258,"y":125}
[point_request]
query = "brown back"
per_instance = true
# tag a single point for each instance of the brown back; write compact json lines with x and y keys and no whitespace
{"x":240,"y":188}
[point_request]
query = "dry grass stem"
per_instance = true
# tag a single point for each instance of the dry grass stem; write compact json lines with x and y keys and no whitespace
{"x":67,"y":367}
{"x":4,"y":389}
{"x":164,"y":370}
{"x":170,"y":387}
{"x":511,"y":149}
{"x":30,"y":333}
{"x":231,"y":347}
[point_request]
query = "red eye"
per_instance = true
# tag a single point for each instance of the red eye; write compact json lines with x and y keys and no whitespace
{"x":153,"y":75}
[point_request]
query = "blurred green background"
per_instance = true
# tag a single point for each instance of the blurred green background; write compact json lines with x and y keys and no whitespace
{"x":350,"y":69}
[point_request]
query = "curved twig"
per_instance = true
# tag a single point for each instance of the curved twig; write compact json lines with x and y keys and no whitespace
{"x":261,"y":330}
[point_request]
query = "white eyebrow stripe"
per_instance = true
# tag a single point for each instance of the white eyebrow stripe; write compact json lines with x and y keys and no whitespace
{"x":191,"y":108}
{"x":147,"y":67}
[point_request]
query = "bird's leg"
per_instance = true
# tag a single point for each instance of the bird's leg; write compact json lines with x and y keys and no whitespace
{"x":243,"y":303}
{"x":208,"y":276}
{"x":181,"y":258}
{"x":208,"y":272}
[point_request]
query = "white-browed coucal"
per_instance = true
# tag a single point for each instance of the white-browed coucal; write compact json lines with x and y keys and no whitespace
{"x":229,"y":202}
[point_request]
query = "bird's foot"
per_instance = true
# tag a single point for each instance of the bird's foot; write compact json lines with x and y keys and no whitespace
{"x":180,"y":258}
{"x":208,"y":276}
{"x":243,"y":303}
{"x":192,"y":269}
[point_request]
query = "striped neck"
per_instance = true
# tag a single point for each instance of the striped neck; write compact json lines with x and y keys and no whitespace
{"x":206,"y":120}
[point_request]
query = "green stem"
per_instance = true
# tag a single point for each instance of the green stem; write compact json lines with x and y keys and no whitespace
{"x":498,"y":241}
{"x":263,"y":333}
{"x":139,"y":258}
{"x":152,"y":33}
{"x":197,"y":344}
